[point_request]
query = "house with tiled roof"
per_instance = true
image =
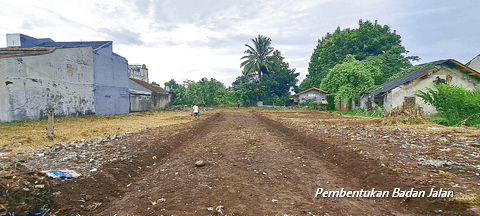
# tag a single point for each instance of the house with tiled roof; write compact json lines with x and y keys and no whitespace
{"x":144,"y":96}
{"x":402,"y":90}
{"x":312,"y":93}
{"x":73,"y":78}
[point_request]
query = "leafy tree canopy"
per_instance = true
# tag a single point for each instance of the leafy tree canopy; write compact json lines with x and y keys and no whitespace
{"x":265,"y":77}
{"x":272,"y":87}
{"x":211,"y":91}
{"x":350,"y":78}
{"x":172,"y":84}
{"x":259,"y":59}
{"x":370,"y":41}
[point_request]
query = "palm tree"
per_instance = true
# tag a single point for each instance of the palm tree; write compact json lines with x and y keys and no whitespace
{"x":258,"y":60}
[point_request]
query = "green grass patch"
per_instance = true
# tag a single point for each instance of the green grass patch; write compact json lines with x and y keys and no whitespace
{"x":360,"y":112}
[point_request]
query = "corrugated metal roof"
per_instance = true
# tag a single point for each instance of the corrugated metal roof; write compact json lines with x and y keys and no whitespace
{"x":407,"y":78}
{"x":133,"y":91}
{"x":148,"y":86}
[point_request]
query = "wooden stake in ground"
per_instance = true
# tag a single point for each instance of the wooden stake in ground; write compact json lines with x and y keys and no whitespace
{"x":50,"y":122}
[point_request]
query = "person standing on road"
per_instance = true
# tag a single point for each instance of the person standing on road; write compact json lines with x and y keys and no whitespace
{"x":204,"y":104}
{"x":195,"y":110}
{"x":238,"y":104}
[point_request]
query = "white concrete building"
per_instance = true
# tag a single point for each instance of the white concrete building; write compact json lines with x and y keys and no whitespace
{"x":139,"y":72}
{"x":312,"y":93}
{"x":396,"y":92}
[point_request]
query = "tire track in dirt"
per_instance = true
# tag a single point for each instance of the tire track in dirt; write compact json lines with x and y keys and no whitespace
{"x":366,"y":173}
{"x":342,"y":169}
{"x":99,"y":190}
{"x":255,"y":166}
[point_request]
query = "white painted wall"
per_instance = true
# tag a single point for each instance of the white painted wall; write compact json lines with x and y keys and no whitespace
{"x":13,"y":40}
{"x":397,"y":96}
{"x":475,"y":63}
{"x":313,"y":94}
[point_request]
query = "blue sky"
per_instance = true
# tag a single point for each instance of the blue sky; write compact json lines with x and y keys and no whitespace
{"x":184,"y":39}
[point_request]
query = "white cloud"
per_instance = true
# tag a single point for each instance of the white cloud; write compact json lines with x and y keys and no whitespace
{"x":180,"y":39}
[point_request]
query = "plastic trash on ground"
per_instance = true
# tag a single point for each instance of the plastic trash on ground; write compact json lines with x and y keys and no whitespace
{"x":63,"y":174}
{"x":39,"y":212}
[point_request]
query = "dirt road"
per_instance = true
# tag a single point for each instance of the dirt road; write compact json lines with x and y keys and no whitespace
{"x":254,"y":166}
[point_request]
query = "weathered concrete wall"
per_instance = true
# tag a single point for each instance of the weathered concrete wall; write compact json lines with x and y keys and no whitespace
{"x":363,"y":101}
{"x":313,"y":94}
{"x":14,"y":40}
{"x":110,"y":82}
{"x":62,"y":80}
{"x":458,"y":78}
{"x":139,"y":72}
{"x":158,"y":99}
{"x":4,"y":97}
{"x":161,"y":99}
{"x":140,"y":102}
{"x":475,"y":63}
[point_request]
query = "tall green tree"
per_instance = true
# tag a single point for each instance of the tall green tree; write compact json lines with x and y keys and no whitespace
{"x":283,"y":79}
{"x":211,"y":91}
{"x":350,"y":78}
{"x":369,"y":40}
{"x":272,"y":87}
{"x":259,"y":59}
{"x":172,"y":84}
{"x":393,"y":63}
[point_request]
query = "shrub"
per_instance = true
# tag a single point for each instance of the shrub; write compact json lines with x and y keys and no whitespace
{"x":313,"y":104}
{"x":360,"y":112}
{"x":455,"y":105}
{"x":330,"y":101}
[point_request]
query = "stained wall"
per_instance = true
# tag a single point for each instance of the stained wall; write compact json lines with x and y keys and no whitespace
{"x":62,"y":80}
{"x":110,"y":82}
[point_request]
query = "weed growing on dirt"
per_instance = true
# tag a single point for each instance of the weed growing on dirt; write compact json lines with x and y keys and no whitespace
{"x":32,"y":133}
{"x":445,"y":174}
{"x":360,"y":112}
{"x":471,"y":199}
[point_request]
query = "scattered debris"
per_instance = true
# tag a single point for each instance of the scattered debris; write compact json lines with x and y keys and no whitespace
{"x":219,"y":209}
{"x":205,"y":185}
{"x":200,"y":163}
{"x":62,"y":174}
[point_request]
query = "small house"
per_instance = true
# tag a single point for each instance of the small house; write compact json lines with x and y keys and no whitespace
{"x":312,"y":93}
{"x":402,"y":90}
{"x":144,"y":96}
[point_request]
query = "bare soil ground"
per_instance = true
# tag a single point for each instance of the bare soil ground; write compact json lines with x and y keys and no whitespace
{"x":262,"y":163}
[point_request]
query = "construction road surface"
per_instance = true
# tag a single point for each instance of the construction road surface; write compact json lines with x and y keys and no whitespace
{"x":253,"y":165}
